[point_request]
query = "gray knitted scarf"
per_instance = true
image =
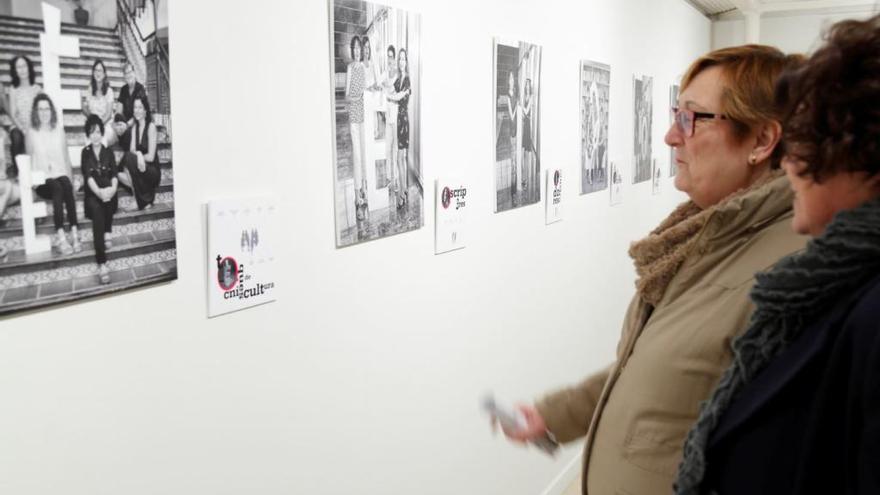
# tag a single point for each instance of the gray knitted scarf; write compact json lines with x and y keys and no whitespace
{"x":787,"y":298}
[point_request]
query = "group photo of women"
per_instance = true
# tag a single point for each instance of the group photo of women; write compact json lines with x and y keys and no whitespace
{"x":377,"y":168}
{"x":517,"y":124}
{"x":95,"y":135}
{"x":36,"y":129}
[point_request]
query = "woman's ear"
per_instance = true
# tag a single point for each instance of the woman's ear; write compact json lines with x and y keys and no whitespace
{"x":766,"y":141}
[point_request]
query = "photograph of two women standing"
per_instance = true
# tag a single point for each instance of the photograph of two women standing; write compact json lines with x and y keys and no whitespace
{"x":376,"y":78}
{"x":517,"y":124}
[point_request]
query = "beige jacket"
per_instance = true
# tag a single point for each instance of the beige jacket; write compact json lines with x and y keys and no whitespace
{"x":635,"y":414}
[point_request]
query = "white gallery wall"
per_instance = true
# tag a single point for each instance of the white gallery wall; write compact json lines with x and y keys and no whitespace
{"x":364,"y":377}
{"x":791,"y":32}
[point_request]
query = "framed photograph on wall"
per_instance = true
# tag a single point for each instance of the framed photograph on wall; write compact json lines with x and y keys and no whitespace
{"x":376,"y":74}
{"x":88,"y":208}
{"x":595,"y":83}
{"x":643,"y":109}
{"x":517,"y":124}
{"x":673,"y":102}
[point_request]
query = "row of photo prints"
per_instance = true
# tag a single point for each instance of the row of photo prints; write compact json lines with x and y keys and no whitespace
{"x":86,"y":176}
{"x":379,"y":187}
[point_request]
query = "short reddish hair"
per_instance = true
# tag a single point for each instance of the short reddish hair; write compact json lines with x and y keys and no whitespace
{"x":750,"y":73}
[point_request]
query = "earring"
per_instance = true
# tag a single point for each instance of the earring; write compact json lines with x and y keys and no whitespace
{"x":752,"y":159}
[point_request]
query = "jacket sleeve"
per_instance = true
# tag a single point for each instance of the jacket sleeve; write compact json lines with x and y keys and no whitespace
{"x":568,"y":412}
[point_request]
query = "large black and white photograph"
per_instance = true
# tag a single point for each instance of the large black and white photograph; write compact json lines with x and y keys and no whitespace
{"x":86,"y":183}
{"x":595,"y":80}
{"x":376,"y":78}
{"x":516,"y":97}
{"x":643,"y":106}
{"x":616,"y":177}
{"x":673,"y":103}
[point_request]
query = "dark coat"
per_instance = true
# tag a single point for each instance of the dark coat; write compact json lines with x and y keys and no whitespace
{"x":102,"y":169}
{"x":809,"y":422}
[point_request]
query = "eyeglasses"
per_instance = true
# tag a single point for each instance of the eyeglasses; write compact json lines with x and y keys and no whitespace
{"x":686,"y":119}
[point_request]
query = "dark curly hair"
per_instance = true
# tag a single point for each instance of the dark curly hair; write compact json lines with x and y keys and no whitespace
{"x":32,"y":74}
{"x":831,"y":105}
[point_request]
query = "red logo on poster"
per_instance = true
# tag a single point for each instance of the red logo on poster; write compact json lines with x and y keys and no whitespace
{"x":446,"y":197}
{"x":227,"y":272}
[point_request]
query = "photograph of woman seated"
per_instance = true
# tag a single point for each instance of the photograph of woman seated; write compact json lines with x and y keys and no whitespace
{"x":98,"y":166}
{"x":46,"y":144}
{"x":139,"y":168}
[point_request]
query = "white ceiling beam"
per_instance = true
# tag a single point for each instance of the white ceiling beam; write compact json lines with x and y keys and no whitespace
{"x":807,"y":6}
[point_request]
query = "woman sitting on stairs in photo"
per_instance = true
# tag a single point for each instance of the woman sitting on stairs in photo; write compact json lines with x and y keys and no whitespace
{"x":47,"y":145}
{"x":100,"y":181}
{"x":139,"y":168}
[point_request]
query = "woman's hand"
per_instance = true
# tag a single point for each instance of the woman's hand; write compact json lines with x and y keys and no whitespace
{"x":533,"y":429}
{"x":142,"y":165}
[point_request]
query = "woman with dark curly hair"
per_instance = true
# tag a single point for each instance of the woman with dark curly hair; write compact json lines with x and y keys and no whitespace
{"x":139,"y":167}
{"x":798,"y":411}
{"x":21,"y":99}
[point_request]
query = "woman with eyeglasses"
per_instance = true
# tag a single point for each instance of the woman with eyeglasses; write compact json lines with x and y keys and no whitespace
{"x":694,"y":271}
{"x":798,"y":411}
{"x":99,"y":100}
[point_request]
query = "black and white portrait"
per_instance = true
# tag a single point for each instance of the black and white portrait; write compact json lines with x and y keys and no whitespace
{"x":656,"y":177}
{"x":517,"y":90}
{"x":673,"y":103}
{"x":86,"y":182}
{"x":642,"y":110}
{"x":595,"y":80}
{"x":376,"y":82}
{"x":616,"y":183}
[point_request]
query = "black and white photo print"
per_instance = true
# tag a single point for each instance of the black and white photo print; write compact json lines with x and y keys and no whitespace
{"x":376,"y":77}
{"x":595,"y":80}
{"x":673,"y":103}
{"x":642,"y":110}
{"x":516,"y":104}
{"x":86,"y":182}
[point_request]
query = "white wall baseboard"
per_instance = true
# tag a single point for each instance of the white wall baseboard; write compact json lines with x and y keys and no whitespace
{"x":564,"y":479}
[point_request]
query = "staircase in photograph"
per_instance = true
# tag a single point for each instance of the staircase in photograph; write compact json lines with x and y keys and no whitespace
{"x":143,"y":249}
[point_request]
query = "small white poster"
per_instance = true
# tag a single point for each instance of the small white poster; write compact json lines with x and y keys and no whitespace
{"x":553,"y":196}
{"x":450,"y":215}
{"x":656,"y":180}
{"x":241,"y":256}
{"x":616,"y":183}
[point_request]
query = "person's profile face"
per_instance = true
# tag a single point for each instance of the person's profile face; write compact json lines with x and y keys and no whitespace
{"x":367,"y":52}
{"x":712,"y":163}
{"x":357,"y":52}
{"x":390,"y":59}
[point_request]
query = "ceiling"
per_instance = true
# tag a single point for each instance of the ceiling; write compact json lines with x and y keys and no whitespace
{"x":714,"y":8}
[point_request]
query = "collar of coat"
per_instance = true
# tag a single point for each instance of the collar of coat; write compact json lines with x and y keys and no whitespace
{"x":794,"y":293}
{"x":689,"y":229}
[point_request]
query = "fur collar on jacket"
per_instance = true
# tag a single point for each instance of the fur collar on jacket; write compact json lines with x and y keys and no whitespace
{"x":658,"y":256}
